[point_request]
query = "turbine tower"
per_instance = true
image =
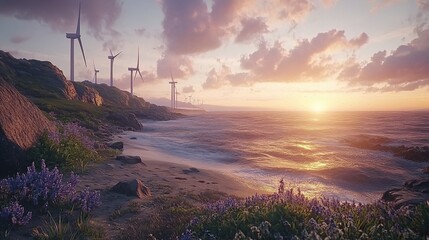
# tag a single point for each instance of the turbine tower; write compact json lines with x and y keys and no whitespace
{"x":175,"y":98}
{"x":173,"y":92}
{"x":131,"y":69}
{"x":112,"y":57}
{"x":95,"y":74}
{"x":72,"y":37}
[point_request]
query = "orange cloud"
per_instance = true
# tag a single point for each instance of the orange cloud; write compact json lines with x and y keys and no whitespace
{"x":178,"y":65}
{"x":406,"y":68}
{"x":251,"y":28}
{"x":307,"y":61}
{"x":224,"y":77}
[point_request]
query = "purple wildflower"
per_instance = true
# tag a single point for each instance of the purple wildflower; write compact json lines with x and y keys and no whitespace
{"x":14,"y":213}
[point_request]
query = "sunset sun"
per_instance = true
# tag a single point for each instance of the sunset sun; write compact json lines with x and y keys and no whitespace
{"x":318,"y":107}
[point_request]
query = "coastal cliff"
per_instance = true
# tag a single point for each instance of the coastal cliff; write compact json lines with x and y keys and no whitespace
{"x":90,"y":104}
{"x":21,"y":124}
{"x":32,"y":89}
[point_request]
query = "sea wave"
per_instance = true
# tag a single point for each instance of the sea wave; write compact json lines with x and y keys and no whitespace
{"x":338,"y":151}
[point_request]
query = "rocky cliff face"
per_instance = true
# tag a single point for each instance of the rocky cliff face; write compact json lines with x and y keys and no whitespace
{"x":42,"y":79}
{"x":88,"y":94}
{"x":45,"y":85}
{"x":21,"y":124}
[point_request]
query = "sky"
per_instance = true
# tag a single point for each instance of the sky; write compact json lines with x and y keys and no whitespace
{"x":305,"y":55}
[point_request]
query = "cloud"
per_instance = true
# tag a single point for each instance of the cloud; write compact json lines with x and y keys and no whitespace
{"x":124,"y":82}
{"x":251,"y":28}
{"x":224,"y":11}
{"x":188,"y":89}
{"x":379,"y":4}
{"x":216,"y":80}
{"x":19,"y":39}
{"x":61,"y":15}
{"x":309,"y":60}
{"x":423,"y":5}
{"x":188,"y":27}
{"x":140,"y":31}
{"x":179,"y":66}
{"x":290,"y":10}
{"x":405,"y":68}
{"x":224,"y":77}
{"x":359,"y":41}
{"x":328,"y":3}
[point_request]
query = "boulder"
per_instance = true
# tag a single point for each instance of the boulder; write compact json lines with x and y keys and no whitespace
{"x":190,"y":170}
{"x":21,"y":124}
{"x":88,"y":94}
{"x":134,"y":187}
{"x":411,"y":193}
{"x":129,"y":159}
{"x":128,"y":120}
{"x":117,"y":145}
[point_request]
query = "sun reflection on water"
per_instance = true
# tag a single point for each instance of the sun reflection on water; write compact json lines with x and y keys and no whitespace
{"x":318,"y":165}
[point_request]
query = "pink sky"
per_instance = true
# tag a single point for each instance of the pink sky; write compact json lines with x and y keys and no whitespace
{"x":276,"y":54}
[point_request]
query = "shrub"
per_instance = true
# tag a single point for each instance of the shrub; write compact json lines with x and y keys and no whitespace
{"x":43,"y":189}
{"x":69,"y":148}
{"x":290,"y":215}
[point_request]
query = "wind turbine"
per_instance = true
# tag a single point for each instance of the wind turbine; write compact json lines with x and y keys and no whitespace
{"x":95,"y":74}
{"x":72,"y":37}
{"x":173,"y":92}
{"x":112,"y":57}
{"x":131,"y":69}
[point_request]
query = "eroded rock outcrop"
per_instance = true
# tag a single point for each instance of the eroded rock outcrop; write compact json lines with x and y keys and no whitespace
{"x":21,"y":124}
{"x":88,"y":94}
{"x":42,"y":79}
{"x":411,"y":193}
{"x":128,"y":120}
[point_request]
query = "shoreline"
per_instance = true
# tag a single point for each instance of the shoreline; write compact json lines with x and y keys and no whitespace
{"x":165,"y":178}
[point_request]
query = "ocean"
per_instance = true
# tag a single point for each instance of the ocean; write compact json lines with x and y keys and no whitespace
{"x":310,"y":151}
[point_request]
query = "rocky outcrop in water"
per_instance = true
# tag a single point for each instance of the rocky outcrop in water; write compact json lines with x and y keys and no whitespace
{"x":21,"y":124}
{"x":413,"y":153}
{"x":412,"y":192}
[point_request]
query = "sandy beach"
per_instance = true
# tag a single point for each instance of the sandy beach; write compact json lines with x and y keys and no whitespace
{"x":166,"y":176}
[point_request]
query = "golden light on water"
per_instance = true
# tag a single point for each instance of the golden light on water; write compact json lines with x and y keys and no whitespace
{"x":318,"y":165}
{"x":305,"y":146}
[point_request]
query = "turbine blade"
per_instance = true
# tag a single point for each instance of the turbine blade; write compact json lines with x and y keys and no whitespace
{"x":135,"y":74}
{"x":140,"y":74}
{"x":81,"y":48}
{"x":94,"y":66}
{"x":111,"y":54}
{"x":78,"y":22}
{"x":171,"y":76}
{"x":117,"y":54}
{"x":138,"y":58}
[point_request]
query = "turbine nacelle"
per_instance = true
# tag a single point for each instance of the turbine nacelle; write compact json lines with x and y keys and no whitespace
{"x":112,"y":58}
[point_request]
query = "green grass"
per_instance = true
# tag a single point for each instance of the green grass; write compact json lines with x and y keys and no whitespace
{"x":69,"y":227}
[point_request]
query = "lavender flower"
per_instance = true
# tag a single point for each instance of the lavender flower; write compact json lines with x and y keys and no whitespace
{"x":14,"y":213}
{"x":88,"y":200}
{"x":43,"y":188}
